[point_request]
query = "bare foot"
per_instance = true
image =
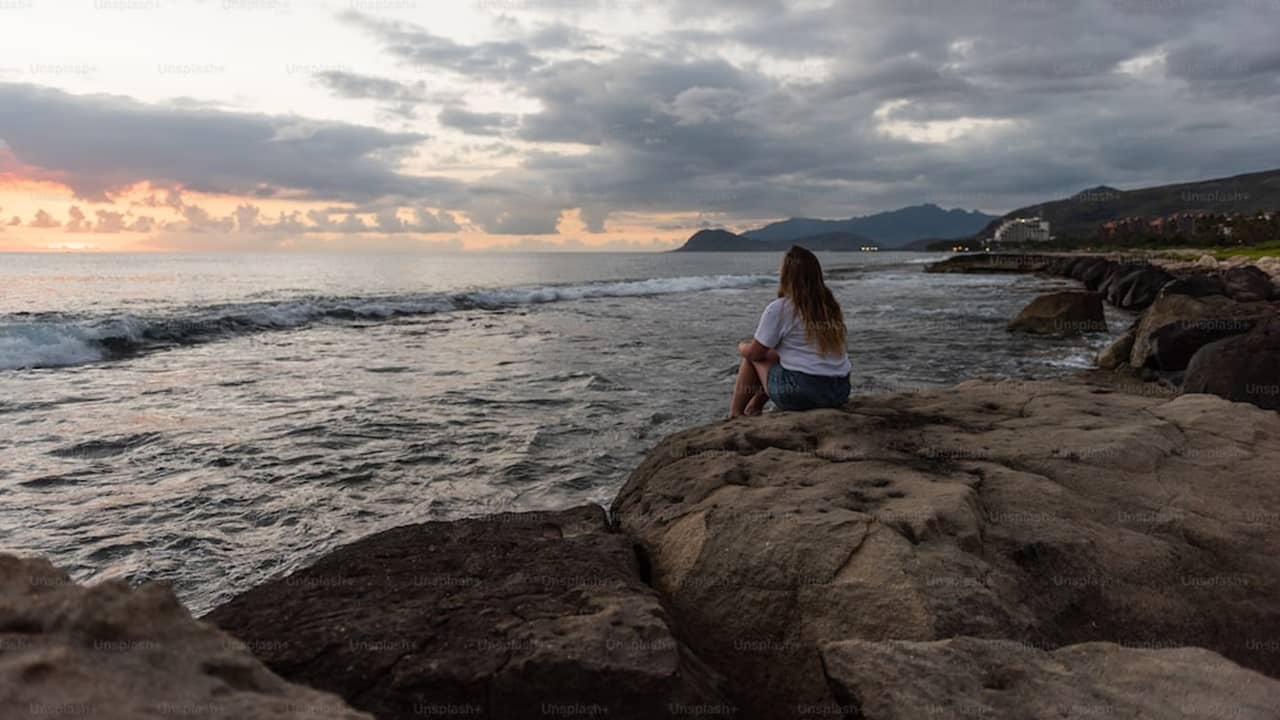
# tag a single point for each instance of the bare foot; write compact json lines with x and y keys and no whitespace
{"x":756,"y":406}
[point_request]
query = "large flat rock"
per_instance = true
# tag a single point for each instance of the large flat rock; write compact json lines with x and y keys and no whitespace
{"x":970,"y":679}
{"x":1045,"y":512}
{"x":529,"y":615}
{"x":110,"y":652}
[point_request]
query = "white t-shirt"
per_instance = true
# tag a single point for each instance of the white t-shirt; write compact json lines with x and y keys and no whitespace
{"x":782,"y":329}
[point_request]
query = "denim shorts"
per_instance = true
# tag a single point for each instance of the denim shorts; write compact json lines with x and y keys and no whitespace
{"x":792,"y":390}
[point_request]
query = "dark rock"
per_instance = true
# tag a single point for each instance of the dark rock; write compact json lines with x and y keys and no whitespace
{"x":1175,"y":326}
{"x":1044,"y":512}
{"x":969,"y":678}
{"x":1248,"y":284}
{"x":1139,"y":288}
{"x":1070,"y":312}
{"x":1197,"y":284}
{"x":1080,"y":265}
{"x":1244,"y":368}
{"x":527,"y":615}
{"x":1095,"y":274}
{"x":118,"y":653}
{"x":1115,"y":273}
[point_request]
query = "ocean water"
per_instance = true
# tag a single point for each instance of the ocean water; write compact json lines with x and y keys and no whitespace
{"x":213,"y":420}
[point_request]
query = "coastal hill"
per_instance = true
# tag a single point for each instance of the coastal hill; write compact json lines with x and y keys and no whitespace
{"x":725,"y":241}
{"x":1082,"y":214}
{"x":718,"y":240}
{"x":892,"y":229}
{"x":895,"y":229}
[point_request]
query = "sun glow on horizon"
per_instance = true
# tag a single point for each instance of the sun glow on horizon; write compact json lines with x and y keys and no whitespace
{"x":45,"y":216}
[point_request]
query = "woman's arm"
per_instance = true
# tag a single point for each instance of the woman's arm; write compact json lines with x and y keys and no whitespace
{"x":753,"y":350}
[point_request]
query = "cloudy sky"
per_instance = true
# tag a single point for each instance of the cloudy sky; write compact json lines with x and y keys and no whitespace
{"x":619,"y":124}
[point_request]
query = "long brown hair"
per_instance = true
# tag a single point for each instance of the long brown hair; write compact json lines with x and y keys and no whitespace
{"x":802,"y":283}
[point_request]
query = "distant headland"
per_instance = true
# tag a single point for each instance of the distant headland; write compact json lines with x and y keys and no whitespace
{"x":904,"y":228}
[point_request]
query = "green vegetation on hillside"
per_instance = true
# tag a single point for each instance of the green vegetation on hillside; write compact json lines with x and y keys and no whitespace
{"x":1253,"y":252}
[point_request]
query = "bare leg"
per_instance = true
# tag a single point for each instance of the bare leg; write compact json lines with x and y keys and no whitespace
{"x":749,"y":394}
{"x":744,"y":388}
{"x":761,"y":367}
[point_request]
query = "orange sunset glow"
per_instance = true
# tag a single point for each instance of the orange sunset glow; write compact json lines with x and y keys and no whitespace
{"x":46,"y":216}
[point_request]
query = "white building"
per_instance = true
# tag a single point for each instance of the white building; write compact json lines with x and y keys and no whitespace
{"x":1021,"y":230}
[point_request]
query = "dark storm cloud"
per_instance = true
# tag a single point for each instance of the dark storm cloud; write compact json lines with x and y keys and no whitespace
{"x":742,"y":110}
{"x":1248,"y":66}
{"x":98,"y":144}
{"x":1074,"y":94}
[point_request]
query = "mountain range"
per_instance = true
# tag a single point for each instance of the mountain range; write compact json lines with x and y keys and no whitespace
{"x":1078,"y":217}
{"x":1081,"y":215}
{"x":894,"y":229}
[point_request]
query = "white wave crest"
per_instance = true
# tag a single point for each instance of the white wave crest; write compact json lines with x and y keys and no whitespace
{"x":44,"y":345}
{"x":79,"y":341}
{"x":627,"y":288}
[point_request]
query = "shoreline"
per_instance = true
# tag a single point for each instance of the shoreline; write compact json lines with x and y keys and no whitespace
{"x":1184,"y":308}
{"x":804,"y":563}
{"x":809,"y":563}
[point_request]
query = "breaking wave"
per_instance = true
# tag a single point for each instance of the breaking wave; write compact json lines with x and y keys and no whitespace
{"x":52,"y":340}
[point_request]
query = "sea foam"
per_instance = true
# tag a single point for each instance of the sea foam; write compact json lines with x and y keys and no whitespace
{"x":67,"y":340}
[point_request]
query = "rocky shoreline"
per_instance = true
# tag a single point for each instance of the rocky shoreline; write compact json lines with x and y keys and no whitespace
{"x":1203,"y":327}
{"x":994,"y":549}
{"x":1015,"y":548}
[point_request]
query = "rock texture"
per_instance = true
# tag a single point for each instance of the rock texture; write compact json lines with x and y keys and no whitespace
{"x":1129,"y":283}
{"x":1062,"y":313}
{"x":1133,"y":285}
{"x":529,"y":615}
{"x":1176,"y":326}
{"x":1248,"y":284}
{"x":111,"y":652}
{"x":971,"y":679}
{"x":1043,"y":512}
{"x":1243,"y":368}
{"x":1185,"y":308}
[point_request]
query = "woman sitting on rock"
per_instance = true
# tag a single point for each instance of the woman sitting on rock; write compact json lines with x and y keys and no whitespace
{"x":797,"y":357}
